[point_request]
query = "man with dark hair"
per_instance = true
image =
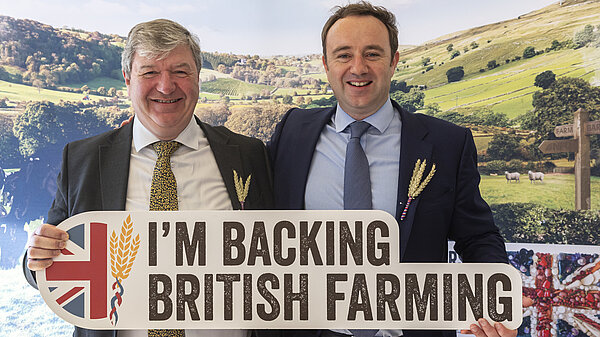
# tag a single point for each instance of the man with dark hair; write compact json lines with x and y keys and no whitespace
{"x":165,"y":159}
{"x":361,"y":155}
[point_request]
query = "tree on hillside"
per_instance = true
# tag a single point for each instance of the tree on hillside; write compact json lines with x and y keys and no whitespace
{"x":9,"y":145}
{"x":555,"y":45}
{"x":545,"y":79}
{"x":257,"y":121}
{"x":454,"y":54}
{"x":450,"y":47}
{"x":474,"y":45}
{"x":425,"y":61}
{"x":287,"y":99}
{"x":475,"y":116}
{"x":215,"y":114}
{"x":411,"y":101}
{"x":455,"y":74}
{"x":492,"y":64}
{"x":37,"y":83}
{"x":503,"y":147}
{"x":556,"y":105}
{"x":432,"y":109}
{"x":529,"y":52}
{"x":584,"y":37}
{"x":399,"y":86}
{"x":44,"y":127}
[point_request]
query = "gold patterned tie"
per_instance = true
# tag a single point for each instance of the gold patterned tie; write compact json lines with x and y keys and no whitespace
{"x":163,"y":197}
{"x":163,"y":191}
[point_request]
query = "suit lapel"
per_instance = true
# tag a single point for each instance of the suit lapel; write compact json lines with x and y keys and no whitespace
{"x":113,"y":161}
{"x":308,"y":134}
{"x":413,"y":147}
{"x":228,"y":158}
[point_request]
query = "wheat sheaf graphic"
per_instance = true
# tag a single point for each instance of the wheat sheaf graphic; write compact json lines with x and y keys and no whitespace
{"x":123,"y":249}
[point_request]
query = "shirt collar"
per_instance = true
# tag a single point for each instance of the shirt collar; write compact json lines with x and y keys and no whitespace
{"x":381,"y":119}
{"x":142,"y":137}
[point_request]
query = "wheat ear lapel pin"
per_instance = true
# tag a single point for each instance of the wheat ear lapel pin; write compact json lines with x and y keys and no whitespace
{"x":416,"y":186}
{"x":241,"y":187}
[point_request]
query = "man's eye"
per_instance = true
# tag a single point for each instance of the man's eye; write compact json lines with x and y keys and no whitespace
{"x":181,"y":73}
{"x":149,"y":73}
{"x":372,"y":55}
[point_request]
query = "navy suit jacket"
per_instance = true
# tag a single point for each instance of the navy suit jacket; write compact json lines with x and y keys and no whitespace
{"x":95,"y":172}
{"x":450,"y":206}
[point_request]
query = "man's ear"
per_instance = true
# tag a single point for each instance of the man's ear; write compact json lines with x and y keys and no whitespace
{"x":324,"y":62}
{"x":127,"y":80}
{"x":395,"y":59}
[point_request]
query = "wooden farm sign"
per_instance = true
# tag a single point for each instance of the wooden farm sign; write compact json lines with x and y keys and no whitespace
{"x":591,"y":128}
{"x":264,"y":270}
{"x":580,"y":130}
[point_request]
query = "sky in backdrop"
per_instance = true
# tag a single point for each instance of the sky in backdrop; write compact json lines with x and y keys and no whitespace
{"x":265,"y":27}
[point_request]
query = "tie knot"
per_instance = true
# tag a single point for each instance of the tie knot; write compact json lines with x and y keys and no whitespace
{"x":165,"y":149}
{"x":358,"y":128}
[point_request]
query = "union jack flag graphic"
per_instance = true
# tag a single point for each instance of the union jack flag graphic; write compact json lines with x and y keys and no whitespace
{"x":77,"y":281}
{"x":565,"y":288}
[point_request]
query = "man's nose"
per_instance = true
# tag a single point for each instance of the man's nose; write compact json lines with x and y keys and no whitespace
{"x":166,"y":83}
{"x":359,"y":66}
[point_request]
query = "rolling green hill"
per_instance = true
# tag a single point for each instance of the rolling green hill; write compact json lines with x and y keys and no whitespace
{"x":507,"y":88}
{"x":233,"y":87}
{"x":20,"y":92}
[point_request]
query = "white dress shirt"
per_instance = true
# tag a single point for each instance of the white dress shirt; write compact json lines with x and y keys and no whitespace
{"x":199,"y":186}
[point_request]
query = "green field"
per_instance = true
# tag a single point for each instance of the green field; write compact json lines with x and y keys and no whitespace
{"x":557,"y":191}
{"x":209,"y":96}
{"x":508,"y":89}
{"x":20,"y":92}
{"x":232,"y":87}
{"x":106,"y":82}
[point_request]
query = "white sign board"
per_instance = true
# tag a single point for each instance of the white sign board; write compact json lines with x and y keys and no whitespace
{"x":263,"y":269}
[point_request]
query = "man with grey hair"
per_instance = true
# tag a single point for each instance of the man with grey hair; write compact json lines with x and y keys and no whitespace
{"x":165,"y":159}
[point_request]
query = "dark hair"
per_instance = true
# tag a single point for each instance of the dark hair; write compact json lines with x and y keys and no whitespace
{"x":363,"y":8}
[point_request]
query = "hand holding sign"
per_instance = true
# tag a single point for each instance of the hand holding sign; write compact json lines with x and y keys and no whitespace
{"x":264,"y":269}
{"x":484,"y":329}
{"x":43,"y":245}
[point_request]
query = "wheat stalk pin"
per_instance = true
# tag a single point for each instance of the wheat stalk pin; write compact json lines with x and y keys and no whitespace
{"x":123,"y":249}
{"x":241,"y":188}
{"x":416,"y":186}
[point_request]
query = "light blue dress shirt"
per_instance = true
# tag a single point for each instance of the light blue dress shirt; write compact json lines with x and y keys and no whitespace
{"x":381,"y":143}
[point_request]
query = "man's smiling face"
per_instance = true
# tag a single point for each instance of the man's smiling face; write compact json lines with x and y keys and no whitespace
{"x":164,"y":92}
{"x":359,"y":64}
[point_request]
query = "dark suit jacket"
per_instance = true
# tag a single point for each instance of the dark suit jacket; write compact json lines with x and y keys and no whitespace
{"x":95,"y":173}
{"x":450,"y":206}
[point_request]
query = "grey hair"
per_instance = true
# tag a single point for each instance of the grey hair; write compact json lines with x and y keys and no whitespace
{"x":157,"y":38}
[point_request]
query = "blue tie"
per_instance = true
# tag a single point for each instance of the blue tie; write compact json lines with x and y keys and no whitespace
{"x":357,"y":182}
{"x":364,"y":332}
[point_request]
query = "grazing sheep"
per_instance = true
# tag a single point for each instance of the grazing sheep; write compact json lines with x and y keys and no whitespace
{"x":512,"y":176}
{"x":533,"y":176}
